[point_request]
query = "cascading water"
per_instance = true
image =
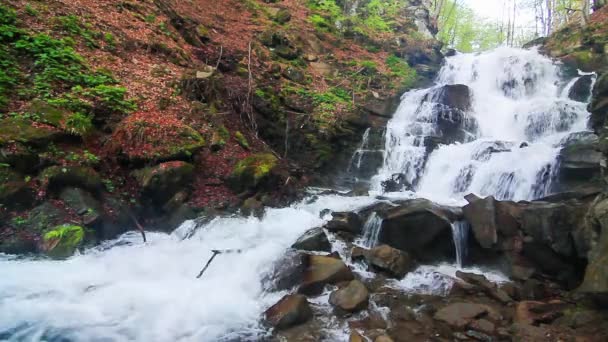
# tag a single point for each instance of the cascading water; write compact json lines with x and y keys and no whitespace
{"x":371,"y":231}
{"x":509,"y":138}
{"x":126,"y":290}
{"x":460,"y":233}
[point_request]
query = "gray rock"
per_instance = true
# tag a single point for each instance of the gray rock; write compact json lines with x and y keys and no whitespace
{"x":313,"y":240}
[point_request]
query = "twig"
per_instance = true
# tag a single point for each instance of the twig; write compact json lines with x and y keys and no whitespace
{"x":215,"y":253}
{"x":217,"y":65}
{"x":139,"y":227}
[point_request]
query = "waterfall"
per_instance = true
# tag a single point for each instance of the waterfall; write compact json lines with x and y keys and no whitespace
{"x":460,"y":235}
{"x":504,"y":143}
{"x":371,"y":231}
{"x":493,"y":124}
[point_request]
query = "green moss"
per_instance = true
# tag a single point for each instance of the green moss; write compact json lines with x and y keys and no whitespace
{"x":399,"y":68}
{"x":241,"y":140}
{"x":251,"y":171}
{"x":62,"y":241}
{"x":22,"y":130}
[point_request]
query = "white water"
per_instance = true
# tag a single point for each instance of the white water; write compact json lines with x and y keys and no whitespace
{"x":371,"y":231}
{"x":128,"y":291}
{"x":517,"y":98}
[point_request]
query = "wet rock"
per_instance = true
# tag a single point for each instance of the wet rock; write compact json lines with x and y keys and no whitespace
{"x":390,"y":260}
{"x":44,"y":217}
{"x":161,"y":182}
{"x":83,"y":203}
{"x":355,"y":337}
{"x":579,"y":161}
{"x":290,"y":311}
{"x":59,"y":177}
{"x":482,"y":217}
{"x":396,"y":183}
{"x":350,"y":298}
{"x":487,"y":286}
{"x":383,"y":338}
{"x":483,"y":326}
{"x":459,"y":315}
{"x":421,"y":228}
{"x":534,"y":313}
{"x":581,"y":90}
{"x":252,"y":206}
{"x":287,"y":272}
{"x":62,"y":241}
{"x":323,"y":270}
{"x":450,"y":106}
{"x":348,"y":222}
{"x":596,"y":241}
{"x":313,"y":240}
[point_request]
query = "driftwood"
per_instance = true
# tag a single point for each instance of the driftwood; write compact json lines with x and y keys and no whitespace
{"x":139,"y":227}
{"x":215,"y":253}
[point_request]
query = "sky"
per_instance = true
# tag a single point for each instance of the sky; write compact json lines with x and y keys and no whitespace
{"x":493,"y":9}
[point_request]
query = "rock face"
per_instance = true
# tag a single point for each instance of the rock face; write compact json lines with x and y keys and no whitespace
{"x":347,"y":222}
{"x":480,"y":213}
{"x":323,"y":270}
{"x":419,"y":227}
{"x":580,"y":162}
{"x":596,"y":277}
{"x":581,"y":90}
{"x":451,"y":103}
{"x":291,"y":310}
{"x":253,"y":172}
{"x":350,"y":298}
{"x":459,"y":315}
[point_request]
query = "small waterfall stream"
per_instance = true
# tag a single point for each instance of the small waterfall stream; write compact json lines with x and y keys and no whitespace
{"x":506,"y":145}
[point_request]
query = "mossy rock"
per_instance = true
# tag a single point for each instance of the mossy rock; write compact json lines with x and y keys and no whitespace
{"x":282,"y":16}
{"x":20,"y":157}
{"x":253,"y":171}
{"x":48,"y":113}
{"x":161,"y":182}
{"x":14,"y":192}
{"x":62,"y":241}
{"x":142,"y":139}
{"x":219,"y":138}
{"x":59,"y":177}
{"x":43,"y":217}
{"x":27,"y":132}
{"x":241,"y":140}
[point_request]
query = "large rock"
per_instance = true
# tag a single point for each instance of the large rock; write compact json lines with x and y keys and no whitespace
{"x":459,"y":315}
{"x":481,"y":214}
{"x":313,"y":240}
{"x":253,"y":172}
{"x":62,"y":241}
{"x":161,"y":182}
{"x":348,"y":222}
{"x":323,"y":270}
{"x":421,"y":228}
{"x":19,"y":157}
{"x":599,"y":103}
{"x":290,"y":311}
{"x":59,"y":177}
{"x":581,"y":89}
{"x":596,"y":277}
{"x":83,"y":204}
{"x":25,"y":131}
{"x":14,"y":192}
{"x":350,"y":298}
{"x":384,"y":258}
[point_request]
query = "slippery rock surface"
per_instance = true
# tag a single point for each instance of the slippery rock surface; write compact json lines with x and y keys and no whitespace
{"x":350,"y":298}
{"x":323,"y":270}
{"x":291,"y":310}
{"x":313,"y":240}
{"x":386,"y":259}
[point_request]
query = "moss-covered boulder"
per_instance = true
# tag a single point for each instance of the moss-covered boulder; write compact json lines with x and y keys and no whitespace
{"x":42,"y":218}
{"x":59,"y":177}
{"x":142,"y":138}
{"x":20,"y":157}
{"x":62,"y":241}
{"x":49,"y":114}
{"x":282,"y":16}
{"x":252,"y":171}
{"x":25,"y":131}
{"x":83,"y":204}
{"x":161,"y":182}
{"x":219,"y":138}
{"x":14,"y":192}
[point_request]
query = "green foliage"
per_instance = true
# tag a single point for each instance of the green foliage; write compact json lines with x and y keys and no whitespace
{"x":62,"y":241}
{"x":79,"y":124}
{"x":401,"y":70}
{"x":241,"y":140}
{"x":75,"y":27}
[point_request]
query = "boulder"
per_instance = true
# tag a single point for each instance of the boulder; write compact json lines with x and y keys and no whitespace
{"x":459,"y":315}
{"x":282,"y":16}
{"x":58,"y":177}
{"x":160,"y":183}
{"x":351,"y":298}
{"x":534,"y":313}
{"x":287,"y":272}
{"x":290,"y":311}
{"x":419,"y":227}
{"x":294,"y":74}
{"x":581,"y":89}
{"x":323,"y":270}
{"x":62,"y":241}
{"x":313,"y":240}
{"x":599,"y":103}
{"x":348,"y":222}
{"x":14,"y":192}
{"x":44,"y":217}
{"x":482,"y":217}
{"x":20,"y":157}
{"x":390,"y":260}
{"x":83,"y":204}
{"x":27,"y":132}
{"x":486,"y":286}
{"x":253,"y":172}
{"x":596,"y":278}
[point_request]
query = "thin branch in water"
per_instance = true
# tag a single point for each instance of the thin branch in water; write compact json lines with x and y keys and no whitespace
{"x":139,"y":227}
